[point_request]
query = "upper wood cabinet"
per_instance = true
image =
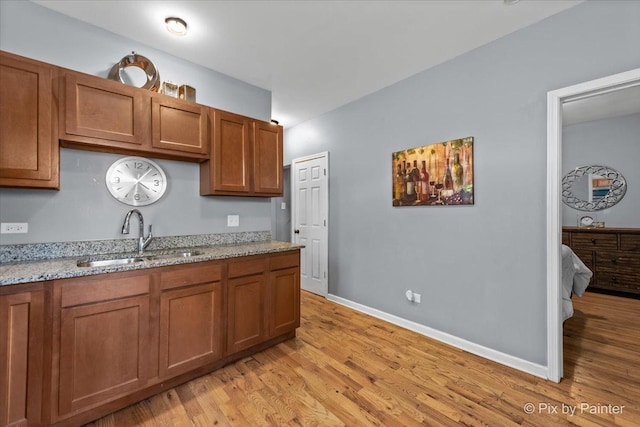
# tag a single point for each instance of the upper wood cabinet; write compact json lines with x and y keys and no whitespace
{"x":29,"y":152}
{"x":103,"y":112}
{"x":104,"y":115}
{"x":246,"y":158}
{"x":178,"y":126}
{"x":267,"y":158}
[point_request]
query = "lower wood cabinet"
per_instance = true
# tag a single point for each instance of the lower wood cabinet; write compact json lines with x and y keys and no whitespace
{"x":75,"y":349}
{"x":103,"y":345}
{"x":21,"y":352}
{"x":191,"y":319}
{"x":264,"y":299}
{"x":246,"y":312}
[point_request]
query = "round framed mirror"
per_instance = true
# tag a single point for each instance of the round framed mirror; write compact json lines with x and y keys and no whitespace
{"x":593,"y":188}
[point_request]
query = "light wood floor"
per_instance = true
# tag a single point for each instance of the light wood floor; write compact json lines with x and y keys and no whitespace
{"x":348,"y":369}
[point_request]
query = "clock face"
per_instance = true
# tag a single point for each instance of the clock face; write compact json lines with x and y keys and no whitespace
{"x":586,"y":220}
{"x":136,"y":181}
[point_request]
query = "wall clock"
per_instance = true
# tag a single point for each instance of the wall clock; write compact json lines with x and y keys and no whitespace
{"x":136,"y":181}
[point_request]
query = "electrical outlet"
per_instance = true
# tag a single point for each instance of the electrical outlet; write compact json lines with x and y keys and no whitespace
{"x":14,"y":227}
{"x":233,"y":220}
{"x":416,"y":298}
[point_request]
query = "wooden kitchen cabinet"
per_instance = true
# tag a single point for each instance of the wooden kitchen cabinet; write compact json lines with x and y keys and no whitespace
{"x":75,"y":349}
{"x":178,"y":125}
{"x":246,"y":321}
{"x":21,"y":352}
{"x":267,"y":159}
{"x":191,"y":318}
{"x":29,"y":151}
{"x":263,"y":299}
{"x":103,"y":339}
{"x":284,"y":293}
{"x":105,"y":115}
{"x":246,"y":157}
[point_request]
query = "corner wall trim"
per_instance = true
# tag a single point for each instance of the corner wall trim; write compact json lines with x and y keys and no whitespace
{"x":479,"y":350}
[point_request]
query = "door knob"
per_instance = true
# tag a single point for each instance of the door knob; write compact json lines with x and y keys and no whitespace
{"x":296,"y":231}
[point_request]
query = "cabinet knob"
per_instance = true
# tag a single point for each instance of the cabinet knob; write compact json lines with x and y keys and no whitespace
{"x":614,"y":261}
{"x":593,"y":241}
{"x":296,"y":231}
{"x":614,"y":279}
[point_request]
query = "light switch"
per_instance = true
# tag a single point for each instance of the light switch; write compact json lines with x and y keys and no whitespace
{"x":233,"y":220}
{"x":283,"y":206}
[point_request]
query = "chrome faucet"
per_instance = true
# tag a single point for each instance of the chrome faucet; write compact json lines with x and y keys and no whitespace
{"x":143,"y":242}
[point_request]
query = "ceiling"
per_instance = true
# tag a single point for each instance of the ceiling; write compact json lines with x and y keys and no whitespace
{"x":622,"y":102}
{"x":315,"y":56}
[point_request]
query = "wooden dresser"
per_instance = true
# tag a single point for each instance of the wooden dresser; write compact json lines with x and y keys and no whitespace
{"x":613,"y":254}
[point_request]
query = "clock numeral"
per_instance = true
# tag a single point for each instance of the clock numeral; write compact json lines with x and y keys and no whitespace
{"x":137,"y":165}
{"x":156,"y":182}
{"x":136,"y":196}
{"x":116,"y":180}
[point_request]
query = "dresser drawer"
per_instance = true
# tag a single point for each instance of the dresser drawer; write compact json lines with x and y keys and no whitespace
{"x":619,"y":281}
{"x":617,"y":260}
{"x":594,"y":241}
{"x":630,"y":242}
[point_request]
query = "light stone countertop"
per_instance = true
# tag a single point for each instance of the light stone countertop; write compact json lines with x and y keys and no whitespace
{"x":59,"y":268}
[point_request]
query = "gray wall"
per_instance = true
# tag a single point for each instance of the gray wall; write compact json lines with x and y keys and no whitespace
{"x":611,"y":142}
{"x":481,"y":270}
{"x":83,"y":209}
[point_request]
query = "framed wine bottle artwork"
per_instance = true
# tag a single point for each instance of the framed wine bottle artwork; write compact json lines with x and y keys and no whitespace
{"x":437,"y":174}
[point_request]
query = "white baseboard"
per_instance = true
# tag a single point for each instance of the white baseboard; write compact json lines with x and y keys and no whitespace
{"x":486,"y":352}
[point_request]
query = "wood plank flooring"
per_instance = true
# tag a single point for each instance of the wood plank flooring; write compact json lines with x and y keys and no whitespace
{"x":345,"y":368}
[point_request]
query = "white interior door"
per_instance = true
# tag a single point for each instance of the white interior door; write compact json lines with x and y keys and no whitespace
{"x":310,"y":212}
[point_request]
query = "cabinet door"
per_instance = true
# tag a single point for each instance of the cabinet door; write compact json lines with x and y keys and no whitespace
{"x":28,"y":134}
{"x":103,"y":351}
{"x":246,"y":312}
{"x":191,"y":326}
{"x":103,"y":112}
{"x":21,"y":329}
{"x":267,"y":159}
{"x":229,"y":168}
{"x":179,"y":126}
{"x":284,"y":301}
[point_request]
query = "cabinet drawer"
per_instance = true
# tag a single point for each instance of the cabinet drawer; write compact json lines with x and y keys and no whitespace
{"x":630,"y":242}
{"x":247,"y":267}
{"x":618,"y":260}
{"x":284,"y":261}
{"x":619,"y":281}
{"x":191,"y":275}
{"x":594,"y":240}
{"x":103,"y":287}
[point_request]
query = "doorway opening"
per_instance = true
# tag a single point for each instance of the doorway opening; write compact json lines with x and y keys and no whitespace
{"x":555,"y":101}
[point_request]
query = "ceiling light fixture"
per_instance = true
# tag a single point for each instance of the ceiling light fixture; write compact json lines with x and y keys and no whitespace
{"x":176,"y":26}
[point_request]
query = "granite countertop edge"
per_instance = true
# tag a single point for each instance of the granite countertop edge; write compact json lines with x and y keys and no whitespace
{"x":14,"y":273}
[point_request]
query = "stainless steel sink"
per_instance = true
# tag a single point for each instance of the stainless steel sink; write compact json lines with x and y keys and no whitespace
{"x":107,"y":262}
{"x":131,"y":260}
{"x":186,"y":254}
